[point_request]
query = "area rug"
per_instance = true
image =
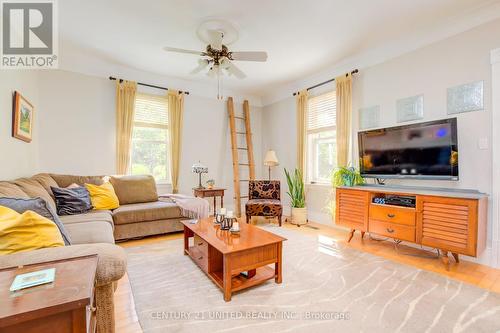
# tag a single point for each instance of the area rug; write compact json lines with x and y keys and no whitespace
{"x":327,"y":287}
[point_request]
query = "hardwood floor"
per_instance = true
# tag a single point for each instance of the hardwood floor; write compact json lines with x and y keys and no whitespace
{"x":479,"y":275}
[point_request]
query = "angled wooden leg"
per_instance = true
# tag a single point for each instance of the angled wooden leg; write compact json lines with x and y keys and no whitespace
{"x":362,"y":234}
{"x":248,"y":218}
{"x":455,"y":255}
{"x":279,"y":220}
{"x":445,"y":260}
{"x":226,"y":278}
{"x":351,"y":234}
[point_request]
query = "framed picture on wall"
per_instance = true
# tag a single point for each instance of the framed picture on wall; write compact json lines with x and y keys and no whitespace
{"x":22,"y":118}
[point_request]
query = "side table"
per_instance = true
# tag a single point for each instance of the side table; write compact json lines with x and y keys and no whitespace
{"x":63,"y":306}
{"x":208,"y":193}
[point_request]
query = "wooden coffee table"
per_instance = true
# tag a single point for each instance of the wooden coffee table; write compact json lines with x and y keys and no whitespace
{"x":224,"y":256}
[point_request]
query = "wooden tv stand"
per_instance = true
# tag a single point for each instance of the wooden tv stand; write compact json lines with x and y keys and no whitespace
{"x":452,"y":221}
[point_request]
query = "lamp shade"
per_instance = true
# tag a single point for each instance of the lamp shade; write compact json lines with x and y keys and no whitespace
{"x":271,"y":159}
{"x":199,"y":168}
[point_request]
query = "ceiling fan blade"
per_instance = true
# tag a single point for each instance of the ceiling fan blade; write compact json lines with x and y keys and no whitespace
{"x":174,"y":49}
{"x":215,"y":39}
{"x":248,"y":56}
{"x":213,"y":71}
{"x":233,"y":69}
{"x":202,"y":64}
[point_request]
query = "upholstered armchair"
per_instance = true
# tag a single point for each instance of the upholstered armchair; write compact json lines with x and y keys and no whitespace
{"x":264,"y":199}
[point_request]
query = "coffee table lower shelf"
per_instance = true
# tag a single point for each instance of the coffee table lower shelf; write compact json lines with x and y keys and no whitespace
{"x":240,"y":281}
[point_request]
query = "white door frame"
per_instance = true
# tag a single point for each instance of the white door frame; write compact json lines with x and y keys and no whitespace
{"x":495,"y":148}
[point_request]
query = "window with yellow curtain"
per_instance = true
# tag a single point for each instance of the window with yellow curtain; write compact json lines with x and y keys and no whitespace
{"x":149,"y":153}
{"x":321,"y":138}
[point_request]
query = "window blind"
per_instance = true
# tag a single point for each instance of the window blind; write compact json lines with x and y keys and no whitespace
{"x":151,"y":109}
{"x":321,"y":113}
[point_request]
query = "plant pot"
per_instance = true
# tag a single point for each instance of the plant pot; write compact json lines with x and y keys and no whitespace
{"x":299,"y":216}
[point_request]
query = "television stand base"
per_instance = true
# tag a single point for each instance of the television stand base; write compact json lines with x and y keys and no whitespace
{"x":380,"y":181}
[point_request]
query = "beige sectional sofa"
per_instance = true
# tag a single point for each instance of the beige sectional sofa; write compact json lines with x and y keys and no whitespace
{"x":141,"y":214}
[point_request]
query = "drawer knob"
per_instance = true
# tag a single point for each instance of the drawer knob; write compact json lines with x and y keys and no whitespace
{"x":389,"y":230}
{"x":200,"y":258}
{"x":200,"y":244}
{"x":391,"y":215}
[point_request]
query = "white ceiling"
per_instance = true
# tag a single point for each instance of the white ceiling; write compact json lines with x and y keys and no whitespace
{"x":301,"y":36}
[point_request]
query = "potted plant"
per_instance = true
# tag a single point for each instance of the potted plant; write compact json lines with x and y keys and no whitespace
{"x":346,"y":176}
{"x":298,"y":198}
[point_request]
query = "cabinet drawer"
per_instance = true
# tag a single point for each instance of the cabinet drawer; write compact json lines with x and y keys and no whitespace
{"x":392,"y":230}
{"x":393,"y":214}
{"x":200,"y":244}
{"x":200,"y":258}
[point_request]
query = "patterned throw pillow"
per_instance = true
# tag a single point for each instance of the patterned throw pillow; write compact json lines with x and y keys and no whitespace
{"x":39,"y":206}
{"x":72,"y":201}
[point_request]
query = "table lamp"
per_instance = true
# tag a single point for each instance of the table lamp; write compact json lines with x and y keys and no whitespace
{"x":199,"y":169}
{"x":271,"y":160}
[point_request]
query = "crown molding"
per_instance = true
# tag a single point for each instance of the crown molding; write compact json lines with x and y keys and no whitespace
{"x":392,"y":49}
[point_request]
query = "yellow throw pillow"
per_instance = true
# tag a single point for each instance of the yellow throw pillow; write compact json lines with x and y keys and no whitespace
{"x":103,"y":196}
{"x":26,"y":232}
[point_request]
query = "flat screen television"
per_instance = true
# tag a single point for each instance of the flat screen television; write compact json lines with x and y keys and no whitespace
{"x":421,"y":151}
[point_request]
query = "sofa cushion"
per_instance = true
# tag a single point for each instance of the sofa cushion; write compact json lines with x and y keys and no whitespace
{"x":39,"y":206}
{"x":149,"y":211}
{"x":8,"y":189}
{"x":263,"y":207}
{"x":46,"y":181}
{"x":34,"y":189}
{"x":134,"y":189}
{"x":102,"y":216}
{"x":67,"y":180}
{"x":91,"y":232}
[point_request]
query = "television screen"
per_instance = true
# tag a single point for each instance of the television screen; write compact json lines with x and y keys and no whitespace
{"x":426,"y":150}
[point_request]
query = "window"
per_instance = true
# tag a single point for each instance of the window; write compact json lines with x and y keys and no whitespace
{"x":149,"y":153}
{"x":321,"y":138}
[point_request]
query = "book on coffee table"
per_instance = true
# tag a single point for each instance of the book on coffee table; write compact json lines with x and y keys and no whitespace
{"x":32,"y":279}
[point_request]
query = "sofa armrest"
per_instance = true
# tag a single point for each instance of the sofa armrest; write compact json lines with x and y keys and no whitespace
{"x":111,"y":266}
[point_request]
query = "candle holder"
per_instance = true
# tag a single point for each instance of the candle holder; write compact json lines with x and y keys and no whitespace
{"x":227,"y":223}
{"x":219,"y":218}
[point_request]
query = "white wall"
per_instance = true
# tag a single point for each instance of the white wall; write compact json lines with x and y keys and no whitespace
{"x":430,"y":71}
{"x":18,"y":158}
{"x":77,"y":131}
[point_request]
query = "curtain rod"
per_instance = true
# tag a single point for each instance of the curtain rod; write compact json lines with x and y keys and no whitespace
{"x":149,"y":85}
{"x":325,"y":82}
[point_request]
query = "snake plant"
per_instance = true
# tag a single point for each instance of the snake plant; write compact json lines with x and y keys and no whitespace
{"x":296,"y":188}
{"x":346,"y":176}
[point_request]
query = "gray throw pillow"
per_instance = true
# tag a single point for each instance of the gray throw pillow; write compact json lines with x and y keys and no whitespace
{"x":39,"y":206}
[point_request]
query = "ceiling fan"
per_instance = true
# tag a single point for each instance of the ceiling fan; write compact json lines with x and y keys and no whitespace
{"x":218,"y":58}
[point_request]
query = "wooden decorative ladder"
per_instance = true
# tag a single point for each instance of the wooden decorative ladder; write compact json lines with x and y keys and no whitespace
{"x":236,"y":146}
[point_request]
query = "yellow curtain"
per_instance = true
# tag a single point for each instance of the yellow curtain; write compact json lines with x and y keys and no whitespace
{"x":344,"y":111}
{"x":301,"y":100}
{"x":125,"y":105}
{"x":175,"y":115}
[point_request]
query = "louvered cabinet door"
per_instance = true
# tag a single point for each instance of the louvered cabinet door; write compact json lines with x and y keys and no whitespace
{"x":448,"y":223}
{"x":352,"y":209}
